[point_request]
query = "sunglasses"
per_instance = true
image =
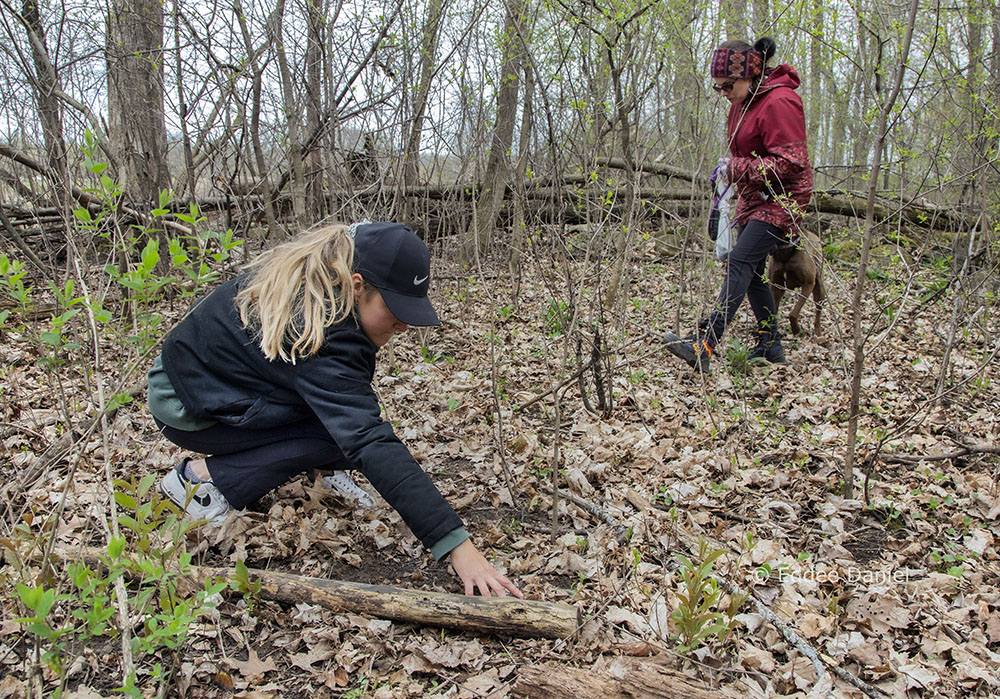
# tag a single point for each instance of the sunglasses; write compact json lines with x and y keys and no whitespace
{"x":724,"y":87}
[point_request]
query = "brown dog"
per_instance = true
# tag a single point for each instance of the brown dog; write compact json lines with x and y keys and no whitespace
{"x":798,"y":267}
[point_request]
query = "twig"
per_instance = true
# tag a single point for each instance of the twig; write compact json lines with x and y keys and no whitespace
{"x":964,"y":450}
{"x":620,"y":529}
{"x":579,"y":372}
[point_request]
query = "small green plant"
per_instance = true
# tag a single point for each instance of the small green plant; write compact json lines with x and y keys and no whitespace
{"x":12,"y":273}
{"x":57,"y":339}
{"x":663,"y":496}
{"x":947,"y":562}
{"x":541,"y":468}
{"x":513,"y":527}
{"x":557,"y":318}
{"x":738,"y":357}
{"x":636,"y":560}
{"x":581,"y":579}
{"x":695,"y":617}
{"x":243,"y":584}
{"x":891,"y":516}
{"x":357,"y":692}
{"x":73,"y":607}
{"x":505,"y":312}
{"x":429,"y":356}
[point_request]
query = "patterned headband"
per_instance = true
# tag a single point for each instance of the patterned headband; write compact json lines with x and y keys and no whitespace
{"x":737,"y":63}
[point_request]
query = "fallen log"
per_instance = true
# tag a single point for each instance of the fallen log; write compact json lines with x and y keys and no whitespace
{"x":630,"y":679}
{"x":504,"y":616}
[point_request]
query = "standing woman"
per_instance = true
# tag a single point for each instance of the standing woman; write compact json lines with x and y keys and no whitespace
{"x":770,"y":169}
{"x":270,"y":375}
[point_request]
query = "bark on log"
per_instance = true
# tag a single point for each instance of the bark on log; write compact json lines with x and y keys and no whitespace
{"x":504,"y":616}
{"x":654,"y":169}
{"x":639,"y":679}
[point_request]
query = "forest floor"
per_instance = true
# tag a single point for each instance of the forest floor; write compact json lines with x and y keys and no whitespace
{"x":900,"y":590}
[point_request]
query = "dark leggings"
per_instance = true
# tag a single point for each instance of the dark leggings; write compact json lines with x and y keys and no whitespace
{"x":745,"y":277}
{"x":246,"y":464}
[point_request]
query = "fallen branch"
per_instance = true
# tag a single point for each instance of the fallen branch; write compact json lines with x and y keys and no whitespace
{"x":88,"y":200}
{"x":966,"y":449}
{"x":621,"y":530}
{"x":654,"y":169}
{"x":631,"y":678}
{"x":19,"y":242}
{"x":503,"y":616}
{"x":506,"y":616}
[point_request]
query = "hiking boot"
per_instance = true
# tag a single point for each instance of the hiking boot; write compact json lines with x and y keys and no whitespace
{"x":768,"y":347}
{"x":696,"y":350}
{"x":342,"y":482}
{"x":198,"y":500}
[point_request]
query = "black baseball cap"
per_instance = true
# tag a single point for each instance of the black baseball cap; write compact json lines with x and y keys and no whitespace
{"x":391,"y":257}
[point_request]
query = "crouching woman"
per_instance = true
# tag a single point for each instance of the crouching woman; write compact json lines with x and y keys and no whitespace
{"x":270,"y":375}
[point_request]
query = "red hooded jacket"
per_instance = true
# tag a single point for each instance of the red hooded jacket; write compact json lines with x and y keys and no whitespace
{"x":770,"y":161}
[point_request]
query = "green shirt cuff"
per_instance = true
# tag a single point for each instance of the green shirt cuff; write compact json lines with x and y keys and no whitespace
{"x":448,"y":542}
{"x":165,"y":405}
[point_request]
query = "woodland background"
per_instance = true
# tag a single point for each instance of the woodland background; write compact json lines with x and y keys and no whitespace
{"x":555,"y":157}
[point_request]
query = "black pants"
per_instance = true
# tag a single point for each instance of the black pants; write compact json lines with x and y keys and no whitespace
{"x":745,"y":277}
{"x":246,"y":464}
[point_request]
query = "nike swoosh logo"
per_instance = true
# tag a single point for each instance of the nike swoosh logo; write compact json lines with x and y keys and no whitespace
{"x":417,"y":281}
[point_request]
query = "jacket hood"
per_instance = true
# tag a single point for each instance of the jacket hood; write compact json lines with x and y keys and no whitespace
{"x":781,"y":76}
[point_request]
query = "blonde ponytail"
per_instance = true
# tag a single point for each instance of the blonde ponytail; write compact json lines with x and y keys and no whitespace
{"x":297,"y":290}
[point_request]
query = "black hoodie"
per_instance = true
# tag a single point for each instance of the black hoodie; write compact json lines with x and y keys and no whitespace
{"x":220,"y":373}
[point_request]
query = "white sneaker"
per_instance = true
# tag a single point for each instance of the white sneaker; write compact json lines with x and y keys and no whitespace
{"x":342,"y":482}
{"x":199,"y":500}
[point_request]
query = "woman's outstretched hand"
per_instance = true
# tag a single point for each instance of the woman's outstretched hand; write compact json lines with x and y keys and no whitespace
{"x":476,"y":572}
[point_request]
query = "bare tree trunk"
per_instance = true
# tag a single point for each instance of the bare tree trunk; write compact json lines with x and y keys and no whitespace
{"x":970,"y":151}
{"x":258,"y":150}
{"x":182,"y":106}
{"x":428,"y":57}
{"x":867,"y":72}
{"x":625,"y":124}
{"x":49,"y":109}
{"x":138,"y":129}
{"x":866,"y":244}
{"x":297,"y":186}
{"x":519,"y":233}
{"x":315,"y":201}
{"x":498,"y":163}
{"x":733,"y":12}
{"x":817,"y":113}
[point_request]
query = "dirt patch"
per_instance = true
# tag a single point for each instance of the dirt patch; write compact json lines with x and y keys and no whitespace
{"x":867,"y":540}
{"x":389,"y":567}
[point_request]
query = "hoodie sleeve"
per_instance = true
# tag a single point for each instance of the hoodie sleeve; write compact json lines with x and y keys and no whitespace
{"x":337,"y":387}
